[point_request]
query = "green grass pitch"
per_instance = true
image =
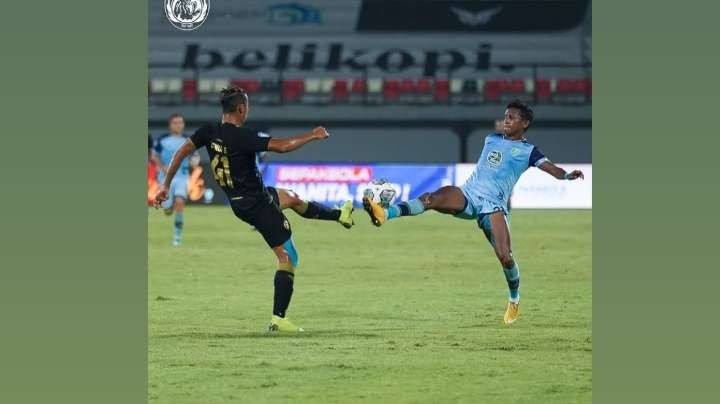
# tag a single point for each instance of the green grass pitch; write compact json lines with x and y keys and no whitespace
{"x":408,"y":313}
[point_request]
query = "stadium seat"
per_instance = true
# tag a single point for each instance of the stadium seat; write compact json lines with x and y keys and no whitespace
{"x":358,"y":89}
{"x":442,"y":90}
{"x":589,"y":88}
{"x":514,"y":86}
{"x":340,"y":90}
{"x":205,"y":86}
{"x":513,"y":89}
{"x":407,"y":86}
{"x":220,"y":84}
{"x":374,"y":93}
{"x":572,"y":91}
{"x":292,"y":89}
{"x":465,"y":91}
{"x":424,"y":92}
{"x":565,"y":86}
{"x":359,"y":86}
{"x":174,"y":86}
{"x":529,"y":86}
{"x":326,"y":85}
{"x":166,"y":91}
{"x":543,"y":91}
{"x":493,"y":89}
{"x":391,"y":90}
{"x":317,"y":91}
{"x":209,"y":89}
{"x":406,"y":90}
{"x":312,"y":85}
{"x":158,"y":86}
{"x":374,"y":85}
{"x":456,"y":86}
{"x":189,"y":91}
{"x":250,"y":86}
{"x":424,"y":86}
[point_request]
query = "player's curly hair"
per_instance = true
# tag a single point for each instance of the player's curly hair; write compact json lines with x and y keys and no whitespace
{"x":525,"y":111}
{"x":231,"y":97}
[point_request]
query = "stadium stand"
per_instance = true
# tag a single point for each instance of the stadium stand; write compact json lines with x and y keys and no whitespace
{"x":351,"y":64}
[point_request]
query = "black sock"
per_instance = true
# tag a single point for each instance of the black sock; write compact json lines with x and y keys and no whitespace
{"x":321,"y":212}
{"x":404,"y":208}
{"x":283,"y":292}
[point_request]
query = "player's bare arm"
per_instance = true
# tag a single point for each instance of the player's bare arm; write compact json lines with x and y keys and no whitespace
{"x":559,"y":173}
{"x":293,"y":143}
{"x":185,"y":150}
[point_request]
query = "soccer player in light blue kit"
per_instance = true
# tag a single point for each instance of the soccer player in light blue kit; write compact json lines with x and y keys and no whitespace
{"x":165,"y":148}
{"x":484,"y":196}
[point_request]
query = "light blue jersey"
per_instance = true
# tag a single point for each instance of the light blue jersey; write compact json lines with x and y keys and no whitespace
{"x":501,"y":164}
{"x":165,"y":147}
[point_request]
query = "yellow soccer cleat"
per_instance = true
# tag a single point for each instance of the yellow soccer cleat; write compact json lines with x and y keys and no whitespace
{"x":280,"y":324}
{"x":512,"y":312}
{"x":346,"y":215}
{"x":376,"y":212}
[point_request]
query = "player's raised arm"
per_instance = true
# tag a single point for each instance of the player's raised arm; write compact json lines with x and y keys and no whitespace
{"x":559,"y":173}
{"x":293,"y":143}
{"x":185,"y":150}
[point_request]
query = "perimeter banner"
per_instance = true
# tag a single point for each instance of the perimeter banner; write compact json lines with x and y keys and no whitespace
{"x":334,"y":184}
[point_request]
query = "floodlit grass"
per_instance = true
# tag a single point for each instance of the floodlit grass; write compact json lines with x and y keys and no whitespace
{"x":411,"y":312}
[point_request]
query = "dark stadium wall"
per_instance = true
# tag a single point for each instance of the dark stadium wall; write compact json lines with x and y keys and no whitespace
{"x":572,"y":145}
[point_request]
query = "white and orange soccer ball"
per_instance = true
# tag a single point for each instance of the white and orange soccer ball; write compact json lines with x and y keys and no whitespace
{"x":381,"y":192}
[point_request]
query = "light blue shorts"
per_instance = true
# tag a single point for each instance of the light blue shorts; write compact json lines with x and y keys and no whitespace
{"x":479,"y":208}
{"x":476,"y":207}
{"x":178,"y":188}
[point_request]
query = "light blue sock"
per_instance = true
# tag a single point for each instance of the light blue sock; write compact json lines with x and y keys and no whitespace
{"x":392,"y":211}
{"x":292,"y":252}
{"x":410,"y":208}
{"x":179,"y":221}
{"x":512,"y":276}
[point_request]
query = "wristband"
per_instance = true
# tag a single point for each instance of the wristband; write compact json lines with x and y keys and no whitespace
{"x":567,"y":176}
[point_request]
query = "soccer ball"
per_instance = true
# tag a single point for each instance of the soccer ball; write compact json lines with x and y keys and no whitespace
{"x":381,"y":192}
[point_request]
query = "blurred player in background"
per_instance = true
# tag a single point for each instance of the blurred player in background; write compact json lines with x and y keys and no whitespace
{"x":165,"y":147}
{"x":484,"y":196}
{"x":233,"y":152}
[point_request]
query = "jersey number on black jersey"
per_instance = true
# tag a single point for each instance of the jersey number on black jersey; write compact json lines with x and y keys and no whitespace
{"x":220,"y":165}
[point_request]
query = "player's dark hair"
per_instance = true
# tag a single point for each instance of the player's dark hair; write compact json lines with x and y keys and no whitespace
{"x":525,"y":111}
{"x":173,"y":116}
{"x":231,"y":97}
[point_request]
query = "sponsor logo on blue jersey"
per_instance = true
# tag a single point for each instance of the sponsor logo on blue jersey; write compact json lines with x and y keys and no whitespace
{"x":494,"y":158}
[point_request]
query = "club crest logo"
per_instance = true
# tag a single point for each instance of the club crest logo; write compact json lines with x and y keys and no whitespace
{"x":187,"y":15}
{"x":494,"y":158}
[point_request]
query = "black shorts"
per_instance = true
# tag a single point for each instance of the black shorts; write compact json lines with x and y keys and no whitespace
{"x":263,"y":212}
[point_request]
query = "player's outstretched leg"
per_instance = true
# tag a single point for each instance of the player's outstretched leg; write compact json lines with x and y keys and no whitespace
{"x":496,"y":228}
{"x":448,"y":199}
{"x":284,"y":278}
{"x":314,"y":210}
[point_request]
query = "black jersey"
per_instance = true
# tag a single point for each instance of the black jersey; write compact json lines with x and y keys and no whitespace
{"x":232,"y":151}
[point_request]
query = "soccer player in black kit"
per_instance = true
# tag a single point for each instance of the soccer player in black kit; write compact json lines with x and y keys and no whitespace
{"x":232,"y":148}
